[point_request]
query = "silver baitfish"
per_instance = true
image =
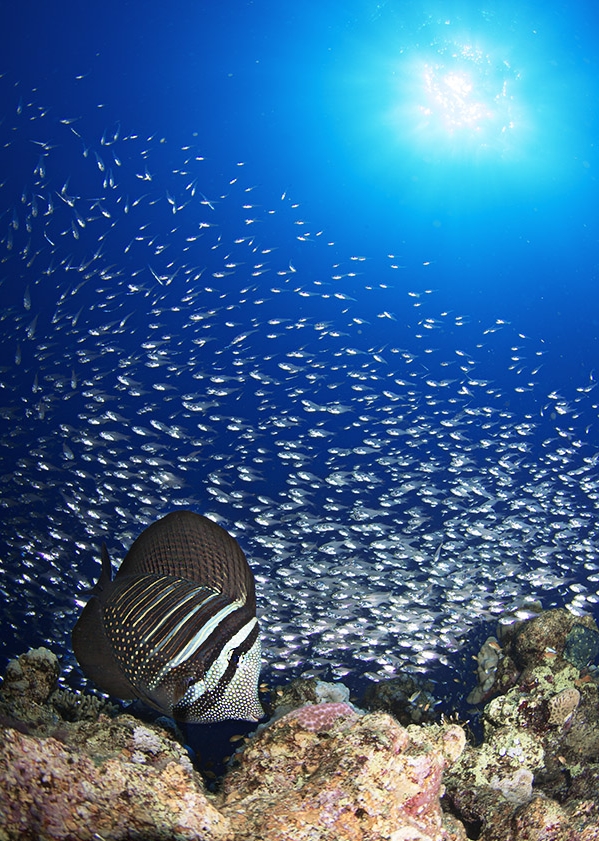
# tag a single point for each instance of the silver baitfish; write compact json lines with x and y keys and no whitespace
{"x":177,"y":626}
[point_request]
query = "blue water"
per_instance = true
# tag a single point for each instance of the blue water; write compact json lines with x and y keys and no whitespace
{"x":377,"y":165}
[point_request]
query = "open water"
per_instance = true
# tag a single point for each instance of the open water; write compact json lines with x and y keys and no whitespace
{"x":325,"y":275}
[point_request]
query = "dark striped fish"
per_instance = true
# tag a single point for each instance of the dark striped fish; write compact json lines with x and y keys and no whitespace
{"x":177,"y":626}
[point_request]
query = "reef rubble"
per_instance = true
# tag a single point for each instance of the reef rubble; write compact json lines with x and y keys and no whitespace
{"x":75,"y":768}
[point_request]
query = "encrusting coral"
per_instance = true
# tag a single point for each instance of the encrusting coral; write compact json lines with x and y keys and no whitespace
{"x":319,"y":717}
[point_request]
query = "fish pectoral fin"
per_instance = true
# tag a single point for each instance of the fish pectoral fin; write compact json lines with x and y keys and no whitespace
{"x":165,"y":697}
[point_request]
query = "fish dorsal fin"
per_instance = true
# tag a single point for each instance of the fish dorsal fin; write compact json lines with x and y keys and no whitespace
{"x":105,"y":575}
{"x":187,"y":545}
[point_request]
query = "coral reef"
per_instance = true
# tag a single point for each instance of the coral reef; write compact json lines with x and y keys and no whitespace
{"x":322,"y":770}
{"x":92,"y":778}
{"x":74,"y":768}
{"x":536,"y":774}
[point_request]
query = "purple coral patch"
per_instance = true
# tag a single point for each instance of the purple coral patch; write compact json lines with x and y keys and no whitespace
{"x":316,"y":717}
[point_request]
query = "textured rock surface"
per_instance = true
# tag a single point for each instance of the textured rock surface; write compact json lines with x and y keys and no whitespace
{"x":50,"y":790}
{"x":106,"y":778}
{"x":321,"y":771}
{"x":358,"y":778}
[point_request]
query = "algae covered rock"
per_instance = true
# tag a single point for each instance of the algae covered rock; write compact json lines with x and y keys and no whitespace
{"x":49,"y":790}
{"x":536,"y":773}
{"x":546,"y":635}
{"x":28,"y":683}
{"x":357,"y":777}
{"x":94,"y":777}
{"x":32,"y":677}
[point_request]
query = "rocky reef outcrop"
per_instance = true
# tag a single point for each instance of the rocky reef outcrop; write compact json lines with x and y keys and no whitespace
{"x":325,"y":771}
{"x":75,"y":768}
{"x":536,"y":773}
{"x":318,"y":771}
{"x":95,"y":777}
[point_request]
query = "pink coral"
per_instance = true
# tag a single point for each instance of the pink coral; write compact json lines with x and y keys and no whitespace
{"x":319,"y":717}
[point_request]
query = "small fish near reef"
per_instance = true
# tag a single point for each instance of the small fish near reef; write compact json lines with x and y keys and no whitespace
{"x":177,"y":626}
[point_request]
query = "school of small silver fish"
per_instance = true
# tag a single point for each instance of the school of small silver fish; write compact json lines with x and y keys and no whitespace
{"x":173,"y":337}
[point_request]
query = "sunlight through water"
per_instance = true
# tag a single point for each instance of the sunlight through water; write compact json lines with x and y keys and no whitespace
{"x":465,"y":102}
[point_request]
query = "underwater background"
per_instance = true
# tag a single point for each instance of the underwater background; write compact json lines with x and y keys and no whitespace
{"x":325,"y":273}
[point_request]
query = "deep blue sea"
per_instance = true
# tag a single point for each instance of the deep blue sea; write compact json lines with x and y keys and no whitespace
{"x":326,"y":272}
